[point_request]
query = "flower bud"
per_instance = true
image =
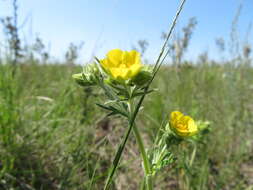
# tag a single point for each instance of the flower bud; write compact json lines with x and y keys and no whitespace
{"x":88,"y":76}
{"x":82,"y":80}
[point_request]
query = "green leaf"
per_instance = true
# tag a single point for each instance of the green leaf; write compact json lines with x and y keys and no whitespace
{"x":113,"y":110}
{"x":138,"y":93}
{"x":144,"y":76}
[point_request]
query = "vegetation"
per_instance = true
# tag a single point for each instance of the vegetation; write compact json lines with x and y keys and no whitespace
{"x":54,"y":137}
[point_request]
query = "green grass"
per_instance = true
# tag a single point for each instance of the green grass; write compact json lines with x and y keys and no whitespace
{"x":52,"y":136}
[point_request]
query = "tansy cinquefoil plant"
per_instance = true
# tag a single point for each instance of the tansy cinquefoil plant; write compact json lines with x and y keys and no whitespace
{"x":124,"y":79}
{"x":126,"y":82}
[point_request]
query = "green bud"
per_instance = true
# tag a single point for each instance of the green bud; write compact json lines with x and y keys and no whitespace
{"x":88,"y":76}
{"x":203,"y":125}
{"x":81,"y":79}
{"x":91,"y":70}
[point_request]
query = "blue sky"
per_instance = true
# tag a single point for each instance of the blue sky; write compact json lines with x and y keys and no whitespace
{"x":109,"y":24}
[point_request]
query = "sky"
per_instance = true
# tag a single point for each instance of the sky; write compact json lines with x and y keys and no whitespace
{"x":108,"y":24}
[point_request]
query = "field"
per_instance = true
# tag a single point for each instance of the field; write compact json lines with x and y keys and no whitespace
{"x":53,"y":136}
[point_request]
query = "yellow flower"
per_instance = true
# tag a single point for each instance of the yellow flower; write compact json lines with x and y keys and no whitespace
{"x":122,"y":65}
{"x":182,"y":125}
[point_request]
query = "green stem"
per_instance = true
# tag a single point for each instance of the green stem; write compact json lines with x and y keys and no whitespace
{"x":149,"y":182}
{"x":193,"y":155}
{"x":146,"y":164}
{"x":117,"y":158}
{"x":132,"y":116}
{"x":147,"y":168}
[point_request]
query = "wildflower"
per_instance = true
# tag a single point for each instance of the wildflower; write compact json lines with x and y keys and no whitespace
{"x":182,"y":125}
{"x":122,"y":65}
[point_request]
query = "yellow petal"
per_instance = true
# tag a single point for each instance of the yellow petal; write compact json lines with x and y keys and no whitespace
{"x":192,"y":127}
{"x":132,"y":58}
{"x":175,"y":115}
{"x":183,"y":133}
{"x":104,"y":63}
{"x":115,"y":57}
{"x":185,"y":119}
{"x":119,"y":73}
{"x":135,"y":69}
